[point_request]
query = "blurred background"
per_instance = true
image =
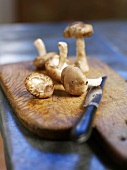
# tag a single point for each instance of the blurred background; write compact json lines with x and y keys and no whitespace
{"x":12,"y":11}
{"x":30,"y":11}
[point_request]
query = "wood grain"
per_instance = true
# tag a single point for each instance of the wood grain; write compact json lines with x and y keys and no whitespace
{"x":53,"y":118}
{"x":2,"y":158}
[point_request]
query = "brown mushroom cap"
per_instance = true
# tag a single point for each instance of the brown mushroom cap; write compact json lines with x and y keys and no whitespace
{"x":74,"y":81}
{"x":39,"y":85}
{"x":78,"y":29}
{"x":39,"y":62}
{"x":52,"y":70}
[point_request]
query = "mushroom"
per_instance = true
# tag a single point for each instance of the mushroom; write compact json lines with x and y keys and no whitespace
{"x":79,"y":30}
{"x":75,"y":82}
{"x":39,"y":85}
{"x":39,"y":61}
{"x":55,"y":64}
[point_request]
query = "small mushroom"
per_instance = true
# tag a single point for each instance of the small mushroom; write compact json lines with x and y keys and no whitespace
{"x":55,"y":64}
{"x":39,"y":85}
{"x":39,"y":61}
{"x":79,"y":30}
{"x":75,"y":82}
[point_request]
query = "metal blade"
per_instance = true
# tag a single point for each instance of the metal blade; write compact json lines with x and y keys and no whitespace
{"x":94,"y":94}
{"x":83,"y":128}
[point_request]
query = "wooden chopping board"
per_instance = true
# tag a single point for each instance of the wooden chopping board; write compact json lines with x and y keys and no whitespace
{"x":53,"y":118}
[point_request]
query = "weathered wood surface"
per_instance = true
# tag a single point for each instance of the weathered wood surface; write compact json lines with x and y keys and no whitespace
{"x":24,"y":150}
{"x":53,"y":117}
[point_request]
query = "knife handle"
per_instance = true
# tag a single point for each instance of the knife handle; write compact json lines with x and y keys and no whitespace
{"x":83,"y":128}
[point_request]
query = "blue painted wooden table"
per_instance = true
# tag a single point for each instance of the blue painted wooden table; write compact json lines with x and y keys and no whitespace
{"x":24,"y":150}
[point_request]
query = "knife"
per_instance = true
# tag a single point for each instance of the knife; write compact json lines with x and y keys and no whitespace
{"x":83,"y":128}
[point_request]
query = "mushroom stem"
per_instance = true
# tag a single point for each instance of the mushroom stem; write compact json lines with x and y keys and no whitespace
{"x":39,"y":44}
{"x":81,"y":60}
{"x":80,"y":47}
{"x":63,"y":53}
{"x":94,"y":82}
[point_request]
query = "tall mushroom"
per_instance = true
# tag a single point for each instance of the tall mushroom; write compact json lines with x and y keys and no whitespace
{"x":79,"y":30}
{"x":39,"y":61}
{"x":55,"y":64}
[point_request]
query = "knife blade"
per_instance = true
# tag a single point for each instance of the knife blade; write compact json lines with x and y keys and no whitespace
{"x":83,"y":128}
